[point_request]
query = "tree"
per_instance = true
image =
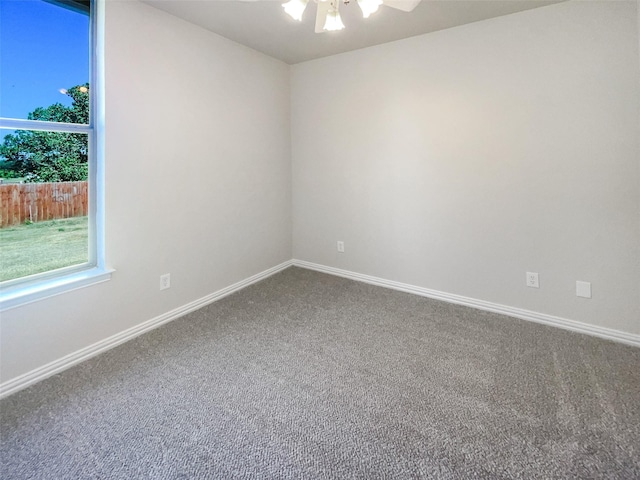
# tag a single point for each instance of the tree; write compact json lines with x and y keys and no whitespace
{"x":51,"y":156}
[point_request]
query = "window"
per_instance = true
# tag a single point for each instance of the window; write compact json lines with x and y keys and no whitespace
{"x":50,"y":181}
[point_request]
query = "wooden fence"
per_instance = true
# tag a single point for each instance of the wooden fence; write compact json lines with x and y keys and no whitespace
{"x":37,"y":202}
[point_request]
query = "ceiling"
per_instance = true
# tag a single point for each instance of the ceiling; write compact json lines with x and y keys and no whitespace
{"x":264,"y":26}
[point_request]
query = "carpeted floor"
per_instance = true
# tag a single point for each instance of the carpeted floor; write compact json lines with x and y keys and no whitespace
{"x":306,"y":376}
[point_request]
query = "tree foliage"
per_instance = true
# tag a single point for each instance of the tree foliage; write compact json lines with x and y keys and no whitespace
{"x":51,"y":156}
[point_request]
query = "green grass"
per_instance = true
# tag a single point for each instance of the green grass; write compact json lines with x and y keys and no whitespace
{"x":42,"y":246}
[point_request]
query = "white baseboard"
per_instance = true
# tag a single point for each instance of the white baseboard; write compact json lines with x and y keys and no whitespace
{"x":608,"y":333}
{"x":57,"y":366}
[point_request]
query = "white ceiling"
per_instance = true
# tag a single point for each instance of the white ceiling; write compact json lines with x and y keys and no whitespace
{"x":264,"y":26}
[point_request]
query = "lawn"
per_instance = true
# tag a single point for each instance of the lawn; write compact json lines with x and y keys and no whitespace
{"x":42,"y":246}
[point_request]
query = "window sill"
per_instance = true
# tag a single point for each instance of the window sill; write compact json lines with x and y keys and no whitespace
{"x":18,"y":295}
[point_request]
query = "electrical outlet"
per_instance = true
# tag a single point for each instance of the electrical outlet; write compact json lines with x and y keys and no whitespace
{"x":165,"y":281}
{"x":340,"y":246}
{"x":533,"y":280}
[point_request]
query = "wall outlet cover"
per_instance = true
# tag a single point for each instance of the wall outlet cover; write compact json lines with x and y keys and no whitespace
{"x":165,"y":281}
{"x":583,"y":289}
{"x":533,"y":280}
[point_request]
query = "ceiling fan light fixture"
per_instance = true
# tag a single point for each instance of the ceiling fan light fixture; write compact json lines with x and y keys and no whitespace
{"x":295,"y":8}
{"x":369,"y":6}
{"x":333,"y":22}
{"x":327,"y":15}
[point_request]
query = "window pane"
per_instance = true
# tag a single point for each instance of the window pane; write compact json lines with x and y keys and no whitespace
{"x":43,"y":202}
{"x":44,"y":60}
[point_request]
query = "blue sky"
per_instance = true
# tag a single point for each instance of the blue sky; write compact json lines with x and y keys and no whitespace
{"x":43,"y":48}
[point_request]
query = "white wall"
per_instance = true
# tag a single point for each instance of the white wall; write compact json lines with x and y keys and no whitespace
{"x":454,"y":161}
{"x":459,"y":160}
{"x":197,"y":182}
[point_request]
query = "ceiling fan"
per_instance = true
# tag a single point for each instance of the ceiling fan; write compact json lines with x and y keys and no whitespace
{"x":328,"y":15}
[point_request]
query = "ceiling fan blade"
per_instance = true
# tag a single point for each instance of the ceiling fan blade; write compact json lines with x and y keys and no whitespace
{"x":321,"y":15}
{"x":404,"y":5}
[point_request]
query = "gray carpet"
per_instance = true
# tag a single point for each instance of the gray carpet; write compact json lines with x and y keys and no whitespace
{"x":306,"y":376}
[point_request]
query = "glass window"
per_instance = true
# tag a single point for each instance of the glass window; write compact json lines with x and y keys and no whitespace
{"x":48,"y":148}
{"x":44,"y":50}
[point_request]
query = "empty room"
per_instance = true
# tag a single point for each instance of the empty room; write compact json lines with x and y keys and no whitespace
{"x":319,"y":239}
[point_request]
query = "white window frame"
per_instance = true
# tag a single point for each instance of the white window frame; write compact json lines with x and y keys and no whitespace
{"x":24,"y":290}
